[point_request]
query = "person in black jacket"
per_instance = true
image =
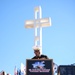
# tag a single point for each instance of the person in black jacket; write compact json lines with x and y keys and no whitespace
{"x":38,"y":54}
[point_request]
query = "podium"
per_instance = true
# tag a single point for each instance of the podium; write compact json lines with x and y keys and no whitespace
{"x":39,"y":66}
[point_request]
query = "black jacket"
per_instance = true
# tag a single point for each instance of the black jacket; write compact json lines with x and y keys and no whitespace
{"x":40,"y":57}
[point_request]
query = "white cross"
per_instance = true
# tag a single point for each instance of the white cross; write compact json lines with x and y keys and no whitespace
{"x":37,"y":24}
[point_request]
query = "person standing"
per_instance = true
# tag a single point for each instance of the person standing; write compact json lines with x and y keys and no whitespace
{"x":38,"y":55}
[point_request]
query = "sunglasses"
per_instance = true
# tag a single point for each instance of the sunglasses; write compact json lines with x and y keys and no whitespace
{"x":36,"y":51}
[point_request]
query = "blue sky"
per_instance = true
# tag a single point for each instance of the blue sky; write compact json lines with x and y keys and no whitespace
{"x":16,"y":42}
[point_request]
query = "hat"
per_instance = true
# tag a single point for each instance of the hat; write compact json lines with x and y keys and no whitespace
{"x":36,"y":48}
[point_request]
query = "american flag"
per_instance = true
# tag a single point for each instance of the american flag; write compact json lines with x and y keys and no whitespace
{"x":23,"y":69}
{"x":15,"y":71}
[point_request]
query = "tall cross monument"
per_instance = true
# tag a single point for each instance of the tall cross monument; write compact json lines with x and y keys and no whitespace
{"x":37,"y":24}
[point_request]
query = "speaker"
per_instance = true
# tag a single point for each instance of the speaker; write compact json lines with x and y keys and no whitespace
{"x":66,"y":70}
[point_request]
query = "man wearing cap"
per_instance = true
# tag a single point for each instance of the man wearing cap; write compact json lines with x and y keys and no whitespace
{"x":38,"y":54}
